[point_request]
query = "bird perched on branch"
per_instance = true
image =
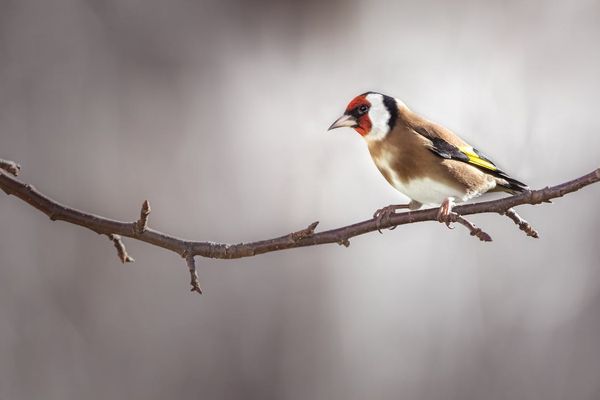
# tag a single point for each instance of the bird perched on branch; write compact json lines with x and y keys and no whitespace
{"x":425,"y":161}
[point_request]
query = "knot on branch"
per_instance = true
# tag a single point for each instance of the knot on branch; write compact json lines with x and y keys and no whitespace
{"x":10,"y":166}
{"x":304,"y":233}
{"x":344,"y":242}
{"x":537,"y":196}
{"x":141,"y":224}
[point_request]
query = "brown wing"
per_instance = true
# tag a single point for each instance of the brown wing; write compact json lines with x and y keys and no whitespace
{"x":447,"y":145}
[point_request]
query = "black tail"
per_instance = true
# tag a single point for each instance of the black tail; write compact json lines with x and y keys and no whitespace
{"x":512,"y":185}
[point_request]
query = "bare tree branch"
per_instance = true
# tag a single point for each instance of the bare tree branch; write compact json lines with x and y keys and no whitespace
{"x":305,"y":237}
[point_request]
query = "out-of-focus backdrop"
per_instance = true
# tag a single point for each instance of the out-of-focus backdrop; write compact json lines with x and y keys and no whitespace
{"x":216,"y":111}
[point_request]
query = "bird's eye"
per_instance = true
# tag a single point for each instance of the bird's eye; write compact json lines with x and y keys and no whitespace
{"x":362,"y":109}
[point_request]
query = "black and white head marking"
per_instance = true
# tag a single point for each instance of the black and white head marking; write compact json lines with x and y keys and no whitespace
{"x":382,"y":114}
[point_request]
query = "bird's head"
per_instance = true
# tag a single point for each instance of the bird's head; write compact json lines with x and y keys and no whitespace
{"x":371,"y":114}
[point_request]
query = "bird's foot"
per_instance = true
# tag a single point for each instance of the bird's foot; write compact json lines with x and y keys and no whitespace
{"x":445,"y":214}
{"x":383,"y":214}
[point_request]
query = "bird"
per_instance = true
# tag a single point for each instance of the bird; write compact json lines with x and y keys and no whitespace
{"x":428,"y":163}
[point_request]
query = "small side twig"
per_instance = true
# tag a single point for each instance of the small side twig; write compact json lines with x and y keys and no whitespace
{"x":473,"y":229}
{"x":194,"y":281}
{"x":120,"y":246}
{"x":523,"y":225}
{"x":10,"y":167}
{"x":142,"y":224}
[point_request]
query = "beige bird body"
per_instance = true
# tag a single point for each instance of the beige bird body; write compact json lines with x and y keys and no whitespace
{"x":405,"y":159}
{"x":423,"y":160}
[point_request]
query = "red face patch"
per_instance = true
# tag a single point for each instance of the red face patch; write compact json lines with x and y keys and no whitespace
{"x":357,"y":102}
{"x":356,"y":108}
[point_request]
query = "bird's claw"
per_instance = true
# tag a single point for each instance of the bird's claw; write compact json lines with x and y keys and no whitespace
{"x":384,"y":214}
{"x":445,"y":214}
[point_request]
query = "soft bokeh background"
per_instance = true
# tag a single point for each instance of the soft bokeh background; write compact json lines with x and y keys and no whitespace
{"x":216,"y":112}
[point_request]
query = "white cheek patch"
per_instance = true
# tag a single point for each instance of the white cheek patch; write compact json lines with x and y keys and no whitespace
{"x":379,"y":116}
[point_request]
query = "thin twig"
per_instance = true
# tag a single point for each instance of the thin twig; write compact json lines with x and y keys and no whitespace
{"x":194,"y":281}
{"x":523,"y":225}
{"x":121,"y":251}
{"x":302,"y":238}
{"x":473,"y":229}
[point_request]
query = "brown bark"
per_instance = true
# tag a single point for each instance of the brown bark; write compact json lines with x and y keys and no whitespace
{"x":188,"y":249}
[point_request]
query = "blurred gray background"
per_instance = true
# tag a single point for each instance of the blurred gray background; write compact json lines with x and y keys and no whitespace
{"x":216,"y":112}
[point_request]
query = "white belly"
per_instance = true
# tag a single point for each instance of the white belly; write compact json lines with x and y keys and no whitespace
{"x":428,"y":191}
{"x":423,"y":190}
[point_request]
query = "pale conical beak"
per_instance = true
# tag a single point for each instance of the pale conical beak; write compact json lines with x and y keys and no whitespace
{"x":345,"y":121}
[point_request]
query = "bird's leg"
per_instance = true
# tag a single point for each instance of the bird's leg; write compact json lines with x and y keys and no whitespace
{"x":445,"y":212}
{"x":386,"y":212}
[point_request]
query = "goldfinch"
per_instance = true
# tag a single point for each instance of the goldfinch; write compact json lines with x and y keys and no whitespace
{"x":424,"y":161}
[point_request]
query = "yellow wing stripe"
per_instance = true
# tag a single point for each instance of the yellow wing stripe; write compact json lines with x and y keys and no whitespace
{"x":477,"y":160}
